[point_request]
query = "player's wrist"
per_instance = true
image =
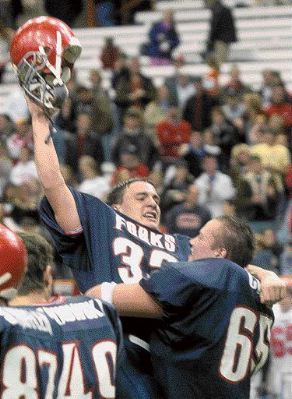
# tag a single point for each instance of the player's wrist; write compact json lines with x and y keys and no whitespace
{"x":106,"y":291}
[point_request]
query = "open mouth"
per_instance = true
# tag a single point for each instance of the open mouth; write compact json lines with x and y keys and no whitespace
{"x":152,"y":216}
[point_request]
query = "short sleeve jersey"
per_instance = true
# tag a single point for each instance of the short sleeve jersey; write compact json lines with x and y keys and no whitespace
{"x":215,"y":331}
{"x":65,"y":350}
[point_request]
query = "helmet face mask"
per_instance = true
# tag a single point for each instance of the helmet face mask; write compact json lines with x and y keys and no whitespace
{"x":43,"y":52}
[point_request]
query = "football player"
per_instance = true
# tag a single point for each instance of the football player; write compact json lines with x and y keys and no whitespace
{"x":41,"y":345}
{"x":215,"y":331}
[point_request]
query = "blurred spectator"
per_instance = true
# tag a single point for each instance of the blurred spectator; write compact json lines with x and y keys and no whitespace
{"x":180,"y":87}
{"x":177,"y":180}
{"x":214,"y":186}
{"x":265,"y":195}
{"x":130,"y":166}
{"x":253,"y":107}
{"x":109,"y":54}
{"x":120,"y":70}
{"x":106,"y":12}
{"x":5,"y":166}
{"x":22,"y":137}
{"x":197,"y":110}
{"x":133,"y":134}
{"x":66,"y":10}
{"x":163,"y":39}
{"x":280,"y":105}
{"x":96,"y":103}
{"x":211,"y":78}
{"x":86,"y":142}
{"x":222,"y":31}
{"x":279,"y":380}
{"x":92,"y":181}
{"x":286,"y":259}
{"x":66,"y":118}
{"x":235,"y":82}
{"x":156,"y":111}
{"x":5,"y":38}
{"x":24,"y":170}
{"x":225,"y":134}
{"x":15,"y":105}
{"x":276,"y":157}
{"x":134,"y":89}
{"x":270,"y":78}
{"x":193,"y":153}
{"x":268,"y":251}
{"x":128,"y":9}
{"x":188,"y":217}
{"x":233,"y":108}
{"x":171,"y":133}
{"x":26,"y":202}
{"x":6,"y":126}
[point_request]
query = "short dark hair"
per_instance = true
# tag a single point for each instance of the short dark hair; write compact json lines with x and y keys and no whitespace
{"x":117,"y":193}
{"x":40,"y":255}
{"x":237,"y":238}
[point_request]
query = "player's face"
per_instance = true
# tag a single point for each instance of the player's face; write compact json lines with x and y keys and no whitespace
{"x":141,"y":203}
{"x":203,"y":245}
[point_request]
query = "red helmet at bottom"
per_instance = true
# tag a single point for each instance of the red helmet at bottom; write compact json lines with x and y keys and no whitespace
{"x":13,"y":261}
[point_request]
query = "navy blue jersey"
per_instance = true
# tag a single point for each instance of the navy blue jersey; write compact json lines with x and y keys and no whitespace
{"x":215,"y":331}
{"x":59,"y":350}
{"x":113,"y":247}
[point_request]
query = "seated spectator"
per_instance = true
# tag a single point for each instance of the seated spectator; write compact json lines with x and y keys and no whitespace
{"x":188,"y":217}
{"x":6,"y":34}
{"x":193,"y":153}
{"x":270,"y":78}
{"x":171,"y":133}
{"x":176,"y":181}
{"x":180,"y":85}
{"x":268,"y":251}
{"x":106,"y":12}
{"x":225,"y":134}
{"x":275,"y":157}
{"x":109,"y":54}
{"x":265,"y":195}
{"x":133,"y":134}
{"x":22,"y":137}
{"x":130,"y":166}
{"x":156,"y":111}
{"x":280,"y":105}
{"x":214,"y":186}
{"x":6,"y":126}
{"x":197,"y":109}
{"x":86,"y":142}
{"x":91,"y":180}
{"x":279,"y":373}
{"x":235,"y":82}
{"x":25,"y":169}
{"x":163,"y":39}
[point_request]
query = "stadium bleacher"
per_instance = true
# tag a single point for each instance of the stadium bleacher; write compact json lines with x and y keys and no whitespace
{"x":265,"y":37}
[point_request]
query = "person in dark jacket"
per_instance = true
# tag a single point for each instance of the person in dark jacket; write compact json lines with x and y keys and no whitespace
{"x":222,"y":31}
{"x":163,"y":39}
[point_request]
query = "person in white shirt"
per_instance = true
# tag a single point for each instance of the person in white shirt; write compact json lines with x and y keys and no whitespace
{"x":214,"y":186}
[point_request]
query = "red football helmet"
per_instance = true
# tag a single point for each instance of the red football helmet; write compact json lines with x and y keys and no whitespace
{"x":13,"y":261}
{"x":43,"y":52}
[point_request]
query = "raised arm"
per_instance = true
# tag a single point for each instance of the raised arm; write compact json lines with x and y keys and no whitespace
{"x":129,"y":299}
{"x":47,"y":163}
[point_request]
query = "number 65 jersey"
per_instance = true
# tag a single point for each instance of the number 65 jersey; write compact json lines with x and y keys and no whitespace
{"x":215,"y":331}
{"x":67,"y":350}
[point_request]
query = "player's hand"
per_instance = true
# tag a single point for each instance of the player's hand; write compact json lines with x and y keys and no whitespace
{"x":273,"y":289}
{"x":35,"y":110}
